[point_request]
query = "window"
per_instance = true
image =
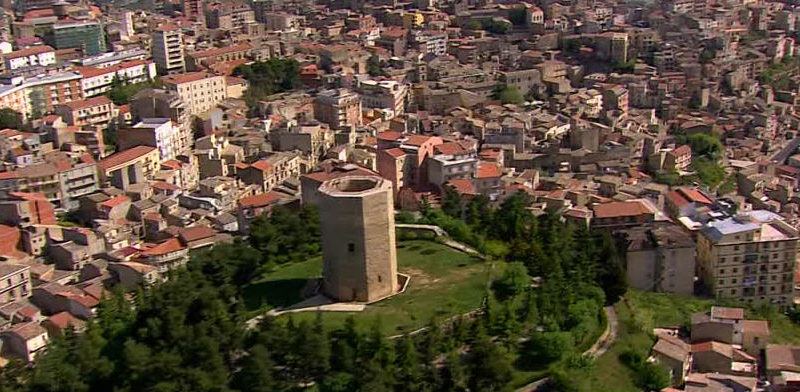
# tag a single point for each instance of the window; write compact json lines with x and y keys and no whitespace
{"x":351,"y":247}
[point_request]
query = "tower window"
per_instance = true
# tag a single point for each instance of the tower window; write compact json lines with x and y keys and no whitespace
{"x":351,"y":247}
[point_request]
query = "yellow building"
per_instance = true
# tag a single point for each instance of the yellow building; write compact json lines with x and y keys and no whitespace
{"x":413,"y":20}
{"x":749,"y":257}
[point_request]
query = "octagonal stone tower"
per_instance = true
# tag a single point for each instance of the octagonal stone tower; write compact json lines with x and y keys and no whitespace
{"x":358,"y":244}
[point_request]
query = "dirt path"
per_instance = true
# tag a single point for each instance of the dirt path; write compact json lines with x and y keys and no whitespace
{"x":599,"y":348}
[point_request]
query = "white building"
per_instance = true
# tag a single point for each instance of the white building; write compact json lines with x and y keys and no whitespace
{"x":161,"y":133}
{"x":97,"y":81}
{"x":385,"y":94}
{"x":167,"y":44}
{"x":30,"y":57}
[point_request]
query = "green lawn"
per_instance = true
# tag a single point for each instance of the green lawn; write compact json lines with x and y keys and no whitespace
{"x":444,"y":282}
{"x":281,"y":287}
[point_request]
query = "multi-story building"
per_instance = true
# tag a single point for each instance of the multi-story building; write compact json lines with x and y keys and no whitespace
{"x":170,"y":139}
{"x":15,"y":282}
{"x":750,"y":256}
{"x":229,"y":15}
{"x":451,"y":161}
{"x":61,"y":183}
{"x":97,"y":80}
{"x":97,"y":111}
{"x":126,"y":30}
{"x":279,"y":21}
{"x":37,"y":96}
{"x":338,"y":108}
{"x":660,"y":258}
{"x":386,"y":94}
{"x":193,"y":10}
{"x":30,"y":57}
{"x":86,"y":35}
{"x":430,"y":42}
{"x":167,"y":45}
{"x":132,"y":166}
{"x":196,"y":60}
{"x":199,"y":91}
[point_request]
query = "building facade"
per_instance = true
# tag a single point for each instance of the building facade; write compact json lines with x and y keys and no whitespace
{"x":750,"y":257}
{"x":167,"y":45}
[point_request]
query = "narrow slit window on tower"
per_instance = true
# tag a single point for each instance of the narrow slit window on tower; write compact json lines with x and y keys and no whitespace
{"x":351,"y":247}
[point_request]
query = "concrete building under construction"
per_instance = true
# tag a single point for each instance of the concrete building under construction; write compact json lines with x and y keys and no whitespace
{"x":358,"y":239}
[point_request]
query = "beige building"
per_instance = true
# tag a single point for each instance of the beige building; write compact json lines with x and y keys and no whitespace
{"x":750,"y":257}
{"x":15,"y":282}
{"x":338,"y":108}
{"x":199,"y":91}
{"x":131,"y":166}
{"x":167,"y":44}
{"x":660,"y":258}
{"x":97,"y":111}
{"x":358,"y":243}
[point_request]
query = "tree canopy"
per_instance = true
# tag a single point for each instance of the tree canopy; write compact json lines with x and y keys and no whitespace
{"x":269,"y":77}
{"x":9,"y":118}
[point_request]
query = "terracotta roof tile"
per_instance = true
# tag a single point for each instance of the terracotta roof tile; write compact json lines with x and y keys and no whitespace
{"x":123,"y":157}
{"x":488,"y":170}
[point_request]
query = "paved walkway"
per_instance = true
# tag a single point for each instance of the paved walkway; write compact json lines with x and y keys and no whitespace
{"x":445,"y":237}
{"x":600,"y":347}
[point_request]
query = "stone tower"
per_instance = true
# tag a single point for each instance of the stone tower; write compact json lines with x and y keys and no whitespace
{"x":358,"y":244}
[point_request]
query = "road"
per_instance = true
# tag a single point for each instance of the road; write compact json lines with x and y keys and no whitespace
{"x":784,"y":153}
{"x":600,"y":347}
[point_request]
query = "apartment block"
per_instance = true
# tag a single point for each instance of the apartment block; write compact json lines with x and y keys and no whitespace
{"x":38,"y":95}
{"x":750,"y":256}
{"x":170,"y":139}
{"x":338,"y":108}
{"x":660,"y":258}
{"x":200,"y":91}
{"x":98,"y":80}
{"x":30,"y":57}
{"x":167,"y":45}
{"x":97,"y":111}
{"x":15,"y":282}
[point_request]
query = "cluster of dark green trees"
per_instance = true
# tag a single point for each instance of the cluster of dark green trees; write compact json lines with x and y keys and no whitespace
{"x":268,"y":77}
{"x":190,"y":334}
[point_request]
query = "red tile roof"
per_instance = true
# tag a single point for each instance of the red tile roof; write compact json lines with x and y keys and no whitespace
{"x":165,"y":186}
{"x":28,"y":52}
{"x":187,"y":77}
{"x":682,"y":150}
{"x":389,"y":136}
{"x":450,"y":148}
{"x":197,"y":233}
{"x":63,"y":320}
{"x":462,"y":186}
{"x":259,"y":200}
{"x":115,"y":201}
{"x":88,"y":103}
{"x":394,"y":152}
{"x":620,"y":208}
{"x":488,"y":170}
{"x":262,"y":165}
{"x":168,"y":246}
{"x":417,"y":140}
{"x":123,"y":157}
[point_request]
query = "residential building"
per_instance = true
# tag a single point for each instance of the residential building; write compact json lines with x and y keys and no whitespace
{"x":451,"y":161}
{"x":162,"y":133}
{"x":99,"y":80}
{"x":88,"y":35}
{"x":338,"y":108}
{"x":41,"y":56}
{"x":621,"y":214}
{"x":750,"y":256}
{"x":32,"y":97}
{"x":204,"y":58}
{"x":132,"y":166}
{"x":199,"y":91}
{"x":660,"y":258}
{"x":61,"y":183}
{"x":387,"y":94}
{"x":15,"y":282}
{"x":167,"y":45}
{"x":25,"y":340}
{"x":232,"y":15}
{"x":97,"y":111}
